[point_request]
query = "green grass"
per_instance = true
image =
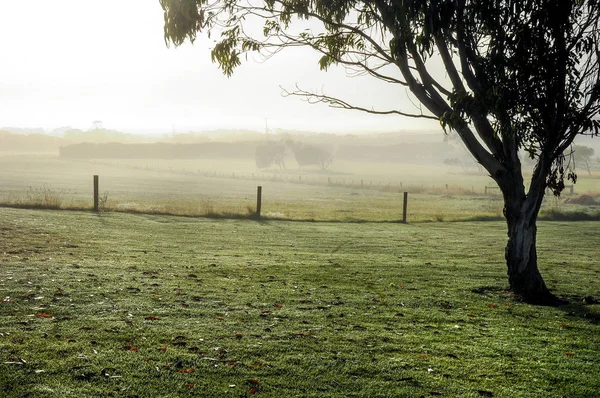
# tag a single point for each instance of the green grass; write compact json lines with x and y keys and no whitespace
{"x":148,"y":305}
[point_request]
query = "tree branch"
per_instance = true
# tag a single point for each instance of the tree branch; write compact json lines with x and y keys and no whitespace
{"x":314,"y":98}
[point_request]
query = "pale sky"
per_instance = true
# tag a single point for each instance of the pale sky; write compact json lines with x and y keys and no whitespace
{"x":70,"y":62}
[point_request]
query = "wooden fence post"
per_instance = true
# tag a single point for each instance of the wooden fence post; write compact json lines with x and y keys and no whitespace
{"x":404,"y":207}
{"x":95,"y":193}
{"x":258,"y":200}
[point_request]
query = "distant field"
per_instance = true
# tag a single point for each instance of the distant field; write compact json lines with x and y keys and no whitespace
{"x":358,"y":191}
{"x":144,"y":305}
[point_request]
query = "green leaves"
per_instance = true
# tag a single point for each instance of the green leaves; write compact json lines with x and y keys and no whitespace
{"x":182,"y":20}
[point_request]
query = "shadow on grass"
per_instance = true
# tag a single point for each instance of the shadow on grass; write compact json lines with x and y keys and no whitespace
{"x":584,"y":308}
{"x":558,"y":215}
{"x":210,"y":214}
{"x":549,"y":215}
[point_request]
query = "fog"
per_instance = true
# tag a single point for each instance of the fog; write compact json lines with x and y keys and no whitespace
{"x":98,"y":71}
{"x":72,"y":62}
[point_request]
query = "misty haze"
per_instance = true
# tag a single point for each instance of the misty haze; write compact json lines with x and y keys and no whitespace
{"x":385,"y":199}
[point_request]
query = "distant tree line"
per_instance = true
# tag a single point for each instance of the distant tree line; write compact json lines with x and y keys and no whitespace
{"x":270,"y":153}
{"x":159,"y":150}
{"x":402,"y":152}
{"x":29,"y":143}
{"x":274,"y":153}
{"x":266,"y":154}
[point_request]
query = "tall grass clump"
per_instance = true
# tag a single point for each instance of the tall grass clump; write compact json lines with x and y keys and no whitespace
{"x":43,"y":197}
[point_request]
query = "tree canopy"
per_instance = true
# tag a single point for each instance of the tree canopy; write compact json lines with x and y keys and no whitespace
{"x":583,"y":154}
{"x":519,"y":75}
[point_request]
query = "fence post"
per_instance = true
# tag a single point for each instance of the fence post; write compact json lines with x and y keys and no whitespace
{"x":258,"y":200}
{"x":404,"y":207}
{"x":95,"y":193}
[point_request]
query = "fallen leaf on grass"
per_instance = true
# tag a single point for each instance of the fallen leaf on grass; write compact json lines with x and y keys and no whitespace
{"x":492,"y":305}
{"x":130,"y":348}
{"x":162,"y":348}
{"x":152,"y":318}
{"x":239,"y":336}
{"x":278,"y":306}
{"x":569,"y":354}
{"x":255,"y":386}
{"x":220,"y":318}
{"x":423,"y":356}
{"x":564,"y":325}
{"x":190,"y":370}
{"x":105,"y":373}
{"x":190,"y":385}
{"x":44,"y":315}
{"x":257,"y":365}
{"x":472,"y":315}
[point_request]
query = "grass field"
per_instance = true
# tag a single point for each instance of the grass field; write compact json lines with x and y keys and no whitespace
{"x":227,"y":188}
{"x":130,"y":305}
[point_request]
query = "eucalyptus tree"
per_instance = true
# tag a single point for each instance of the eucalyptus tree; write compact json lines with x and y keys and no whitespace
{"x":519,"y":75}
{"x":583,"y":154}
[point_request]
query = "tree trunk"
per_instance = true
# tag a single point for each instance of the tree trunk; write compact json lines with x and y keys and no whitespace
{"x":521,"y":255}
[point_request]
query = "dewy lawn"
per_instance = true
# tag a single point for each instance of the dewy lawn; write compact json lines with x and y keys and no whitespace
{"x":145,"y":306}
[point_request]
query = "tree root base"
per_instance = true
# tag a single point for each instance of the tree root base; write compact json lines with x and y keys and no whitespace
{"x":546,"y":299}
